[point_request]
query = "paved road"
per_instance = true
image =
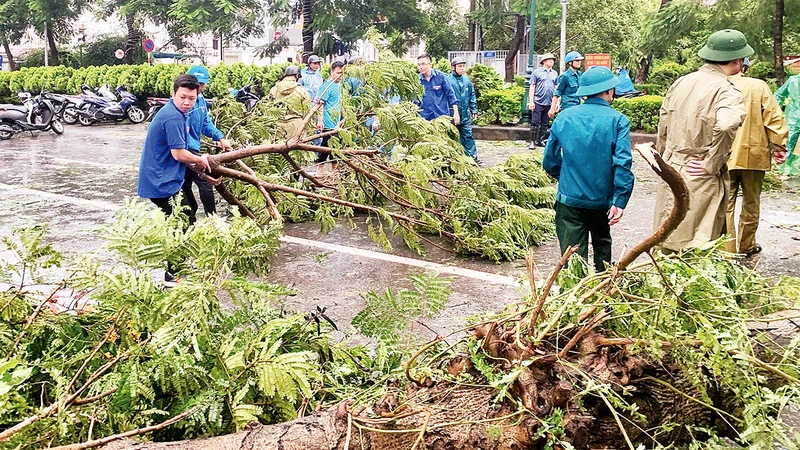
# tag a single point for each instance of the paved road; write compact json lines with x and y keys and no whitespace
{"x":77,"y":180}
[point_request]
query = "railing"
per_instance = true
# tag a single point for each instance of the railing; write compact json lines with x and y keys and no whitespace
{"x":495,"y":59}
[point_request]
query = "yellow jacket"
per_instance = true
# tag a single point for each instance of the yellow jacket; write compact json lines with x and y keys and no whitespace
{"x":765,"y":124}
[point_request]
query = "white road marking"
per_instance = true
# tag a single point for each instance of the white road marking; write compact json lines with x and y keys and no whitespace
{"x":65,"y":198}
{"x":441,"y":268}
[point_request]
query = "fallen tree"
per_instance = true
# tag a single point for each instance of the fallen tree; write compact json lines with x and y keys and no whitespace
{"x":675,"y":349}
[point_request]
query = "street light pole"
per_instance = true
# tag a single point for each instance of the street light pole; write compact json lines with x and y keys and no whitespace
{"x":526,"y":113}
{"x":563,"y":53}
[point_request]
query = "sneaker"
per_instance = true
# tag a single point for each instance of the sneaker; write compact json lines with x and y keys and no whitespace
{"x":756,"y":250}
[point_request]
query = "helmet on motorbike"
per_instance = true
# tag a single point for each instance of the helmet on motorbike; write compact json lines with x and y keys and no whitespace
{"x":292,"y":71}
{"x":573,"y":56}
{"x":314,"y":59}
{"x":201,"y":73}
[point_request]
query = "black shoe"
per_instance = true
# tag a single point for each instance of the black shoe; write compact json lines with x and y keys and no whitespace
{"x":756,"y":250}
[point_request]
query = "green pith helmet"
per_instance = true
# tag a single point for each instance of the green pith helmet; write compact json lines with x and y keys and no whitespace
{"x":596,"y":80}
{"x":547,"y":56}
{"x":724,"y":46}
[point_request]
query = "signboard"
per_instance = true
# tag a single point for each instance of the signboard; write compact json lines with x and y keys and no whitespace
{"x":148,"y":45}
{"x":792,"y":63}
{"x":276,"y":35}
{"x":597,"y":59}
{"x":119,"y":53}
{"x":490,"y":54}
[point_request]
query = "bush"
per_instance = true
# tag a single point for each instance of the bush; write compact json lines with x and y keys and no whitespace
{"x":500,"y":106}
{"x":442,"y":65}
{"x":484,"y":78}
{"x":641,"y":111}
{"x":141,"y":80}
{"x":666,"y":73}
{"x":652,"y":89}
{"x":762,"y":70}
{"x":519,"y":80}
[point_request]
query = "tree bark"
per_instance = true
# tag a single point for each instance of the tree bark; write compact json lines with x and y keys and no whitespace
{"x":471,"y":36}
{"x":132,"y":43}
{"x":777,"y":46}
{"x":647,"y":60}
{"x":9,"y":57}
{"x":51,"y":43}
{"x":516,"y":43}
{"x":308,"y":32}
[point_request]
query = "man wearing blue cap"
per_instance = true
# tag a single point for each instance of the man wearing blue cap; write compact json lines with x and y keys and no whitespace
{"x":200,"y":124}
{"x":589,"y":153}
{"x":565,"y":94}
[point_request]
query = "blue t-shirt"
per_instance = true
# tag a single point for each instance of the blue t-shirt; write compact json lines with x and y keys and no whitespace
{"x":544,"y":84}
{"x":200,"y":124}
{"x":161,"y":175}
{"x":438,"y":98}
{"x":331,"y":110}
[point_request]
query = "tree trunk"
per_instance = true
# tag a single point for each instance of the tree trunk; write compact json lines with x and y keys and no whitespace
{"x":9,"y":56}
{"x":516,"y":43}
{"x":780,"y":74}
{"x":644,"y":69}
{"x":647,"y":60}
{"x":471,"y":36}
{"x":308,"y":32}
{"x":132,"y":43}
{"x":51,"y":43}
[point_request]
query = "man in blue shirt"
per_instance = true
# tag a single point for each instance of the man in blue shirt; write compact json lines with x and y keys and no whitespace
{"x":329,"y":95}
{"x":310,"y":76}
{"x":467,"y":106}
{"x":438,"y":99}
{"x":568,"y":83}
{"x":589,"y":153}
{"x":540,"y":97}
{"x":165,"y":156}
{"x":200,"y":124}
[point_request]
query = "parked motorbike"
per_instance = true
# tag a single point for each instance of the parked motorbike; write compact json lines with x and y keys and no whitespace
{"x":65,"y":106}
{"x":103,"y":109}
{"x":244,"y":95}
{"x":35,"y":114}
{"x":155,"y":104}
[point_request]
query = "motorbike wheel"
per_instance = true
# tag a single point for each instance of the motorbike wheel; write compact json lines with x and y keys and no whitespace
{"x":135,"y":114}
{"x":84,"y":120}
{"x":70,"y":116}
{"x":57,"y":126}
{"x":6,"y":132}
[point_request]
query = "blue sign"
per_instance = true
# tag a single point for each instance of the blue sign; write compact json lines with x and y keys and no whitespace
{"x":490,"y":54}
{"x":148,"y":45}
{"x":1,"y":62}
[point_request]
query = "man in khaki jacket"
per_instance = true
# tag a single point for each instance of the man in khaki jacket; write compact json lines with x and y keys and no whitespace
{"x":698,"y":120}
{"x":294,"y":97}
{"x":763,"y":133}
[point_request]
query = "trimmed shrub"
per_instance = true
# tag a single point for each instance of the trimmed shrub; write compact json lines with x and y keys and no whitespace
{"x":652,"y":89}
{"x":666,"y":73}
{"x":500,"y":106}
{"x":641,"y":111}
{"x":484,"y":78}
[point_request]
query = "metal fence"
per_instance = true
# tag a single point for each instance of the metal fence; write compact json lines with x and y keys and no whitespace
{"x":492,"y":58}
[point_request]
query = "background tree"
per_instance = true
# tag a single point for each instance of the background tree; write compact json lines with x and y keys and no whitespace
{"x":446,"y":28}
{"x":54,"y":19}
{"x":14,"y":21}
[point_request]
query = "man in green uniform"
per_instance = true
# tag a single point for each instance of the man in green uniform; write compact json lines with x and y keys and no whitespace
{"x":467,"y":106}
{"x":698,"y":122}
{"x":589,"y":153}
{"x":568,"y":83}
{"x":288,"y":92}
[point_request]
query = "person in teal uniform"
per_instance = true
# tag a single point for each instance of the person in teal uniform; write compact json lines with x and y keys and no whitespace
{"x":565,"y":95}
{"x":467,"y":105}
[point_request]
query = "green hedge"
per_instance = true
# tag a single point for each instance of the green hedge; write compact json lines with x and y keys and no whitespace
{"x":641,"y":111}
{"x":500,"y":106}
{"x":141,"y":80}
{"x":652,"y":88}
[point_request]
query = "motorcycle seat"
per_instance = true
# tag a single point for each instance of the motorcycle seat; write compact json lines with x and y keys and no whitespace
{"x":20,"y":108}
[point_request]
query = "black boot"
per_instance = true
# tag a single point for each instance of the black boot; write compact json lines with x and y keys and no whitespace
{"x":535,"y":132}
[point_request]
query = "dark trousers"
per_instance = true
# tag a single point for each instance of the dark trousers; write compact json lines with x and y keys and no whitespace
{"x":165,"y":205}
{"x":573,"y":227}
{"x":322,"y":157}
{"x":206,"y":193}
{"x":540,"y":123}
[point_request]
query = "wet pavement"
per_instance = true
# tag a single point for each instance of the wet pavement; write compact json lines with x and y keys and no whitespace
{"x":76,"y":181}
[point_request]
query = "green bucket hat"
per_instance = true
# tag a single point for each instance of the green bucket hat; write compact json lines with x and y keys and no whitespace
{"x":547,"y":56}
{"x":596,"y":80}
{"x":725,"y":45}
